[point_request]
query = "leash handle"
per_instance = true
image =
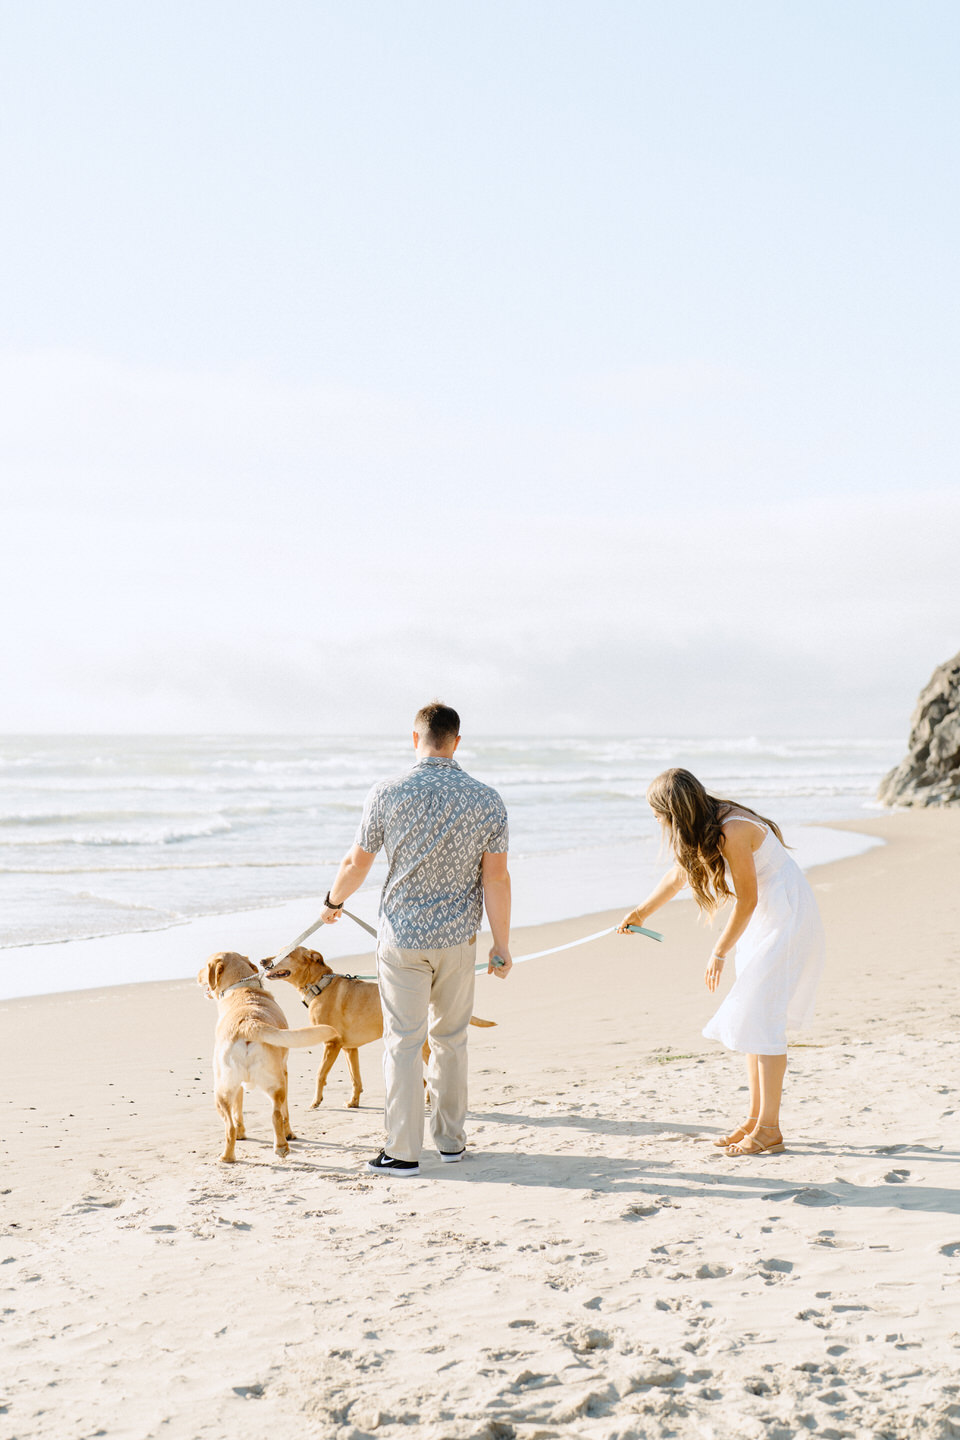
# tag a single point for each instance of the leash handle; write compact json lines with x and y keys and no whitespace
{"x":497,"y":961}
{"x":642,"y":930}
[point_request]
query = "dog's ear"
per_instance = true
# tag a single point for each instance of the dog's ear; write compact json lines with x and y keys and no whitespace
{"x":210,"y":973}
{"x":205,"y":975}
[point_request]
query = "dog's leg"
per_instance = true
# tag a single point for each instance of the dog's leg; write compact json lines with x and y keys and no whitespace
{"x":279,"y":1098}
{"x":239,"y":1127}
{"x":426,"y":1058}
{"x":330,"y":1052}
{"x":286,"y":1107}
{"x":225,"y":1103}
{"x":353,"y":1060}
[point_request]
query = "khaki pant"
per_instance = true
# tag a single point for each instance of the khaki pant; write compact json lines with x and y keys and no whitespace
{"x":425,"y":993}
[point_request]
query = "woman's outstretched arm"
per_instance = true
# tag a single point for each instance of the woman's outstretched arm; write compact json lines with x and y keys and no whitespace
{"x":671,"y":884}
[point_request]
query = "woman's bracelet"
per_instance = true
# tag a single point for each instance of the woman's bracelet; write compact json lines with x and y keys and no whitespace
{"x":717,"y":956}
{"x":330,"y":905}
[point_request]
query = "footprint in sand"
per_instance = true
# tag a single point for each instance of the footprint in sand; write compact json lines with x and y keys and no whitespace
{"x":813,"y":1195}
{"x":952,"y":1249}
{"x":586,"y":1338}
{"x":817,"y":1318}
{"x":783,"y":1267}
{"x":533,"y":1380}
{"x":652,"y":1374}
{"x":896,"y":1177}
{"x":95,"y":1202}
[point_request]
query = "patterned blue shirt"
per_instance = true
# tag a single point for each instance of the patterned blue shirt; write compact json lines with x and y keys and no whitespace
{"x":435,"y":823}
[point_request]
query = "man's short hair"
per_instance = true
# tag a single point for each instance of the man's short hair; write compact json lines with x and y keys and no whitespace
{"x":437,"y":723}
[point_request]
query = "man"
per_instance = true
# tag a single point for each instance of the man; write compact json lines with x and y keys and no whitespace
{"x":445,"y":837}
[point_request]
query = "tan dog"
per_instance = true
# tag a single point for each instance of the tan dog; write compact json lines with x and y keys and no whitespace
{"x":251,"y":1046}
{"x":350,"y":1007}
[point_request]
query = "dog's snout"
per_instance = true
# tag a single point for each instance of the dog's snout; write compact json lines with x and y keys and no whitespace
{"x":266,"y":964}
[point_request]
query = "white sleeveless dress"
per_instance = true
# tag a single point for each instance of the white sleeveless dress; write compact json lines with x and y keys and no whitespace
{"x":779,"y":958}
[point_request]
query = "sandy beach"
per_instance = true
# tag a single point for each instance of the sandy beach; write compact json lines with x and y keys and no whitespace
{"x":595,"y":1268}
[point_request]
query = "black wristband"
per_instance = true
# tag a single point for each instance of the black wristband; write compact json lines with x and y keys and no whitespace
{"x":330,"y":905}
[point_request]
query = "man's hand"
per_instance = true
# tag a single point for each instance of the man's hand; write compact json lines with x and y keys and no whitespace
{"x":354,"y":869}
{"x":501,"y":970}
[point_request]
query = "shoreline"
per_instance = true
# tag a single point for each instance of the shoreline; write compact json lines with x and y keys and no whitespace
{"x":542,"y":884}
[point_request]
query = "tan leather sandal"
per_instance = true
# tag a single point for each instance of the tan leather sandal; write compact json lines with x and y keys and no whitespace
{"x":736,"y":1135}
{"x":753,"y":1145}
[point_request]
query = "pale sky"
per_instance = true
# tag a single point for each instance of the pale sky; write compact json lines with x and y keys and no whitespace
{"x":590,"y":365}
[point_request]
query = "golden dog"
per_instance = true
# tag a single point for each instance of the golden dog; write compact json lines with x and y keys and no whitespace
{"x":251,"y":1045}
{"x":351,"y":1008}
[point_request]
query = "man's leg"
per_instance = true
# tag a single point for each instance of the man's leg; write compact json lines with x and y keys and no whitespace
{"x":451,"y":1005}
{"x":405,"y":996}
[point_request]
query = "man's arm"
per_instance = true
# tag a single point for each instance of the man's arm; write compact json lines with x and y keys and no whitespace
{"x":354,"y":869}
{"x":495,"y":878}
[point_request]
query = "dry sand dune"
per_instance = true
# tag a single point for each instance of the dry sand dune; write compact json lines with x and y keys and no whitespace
{"x":594,"y":1269}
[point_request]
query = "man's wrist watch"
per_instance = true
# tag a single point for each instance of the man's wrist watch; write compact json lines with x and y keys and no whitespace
{"x":331,"y":904}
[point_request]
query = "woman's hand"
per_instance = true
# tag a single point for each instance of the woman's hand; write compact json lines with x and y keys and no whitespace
{"x":714,"y":971}
{"x":633,"y":918}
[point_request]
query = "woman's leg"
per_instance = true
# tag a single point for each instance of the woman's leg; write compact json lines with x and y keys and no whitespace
{"x":772,"y":1069}
{"x":769,"y":1071}
{"x":746,"y":1126}
{"x":753,"y":1083}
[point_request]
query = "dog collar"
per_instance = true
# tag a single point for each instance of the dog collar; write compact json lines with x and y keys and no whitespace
{"x":247,"y":980}
{"x":320,"y":985}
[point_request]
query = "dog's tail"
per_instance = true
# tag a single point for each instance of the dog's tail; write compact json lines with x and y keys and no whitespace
{"x":291,"y":1039}
{"x":484,"y":1024}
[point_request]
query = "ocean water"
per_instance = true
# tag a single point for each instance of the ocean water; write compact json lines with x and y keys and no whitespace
{"x":107,"y":836}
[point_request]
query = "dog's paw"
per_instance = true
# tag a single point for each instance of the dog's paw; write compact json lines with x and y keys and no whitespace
{"x":282,"y":1150}
{"x":228,"y":1159}
{"x":290,"y":1135}
{"x":316,"y":1104}
{"x":354,"y":1104}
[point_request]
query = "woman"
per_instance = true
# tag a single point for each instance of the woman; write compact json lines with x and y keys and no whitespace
{"x":727,"y":851}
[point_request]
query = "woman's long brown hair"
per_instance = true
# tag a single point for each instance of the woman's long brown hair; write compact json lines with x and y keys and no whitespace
{"x":693,"y":821}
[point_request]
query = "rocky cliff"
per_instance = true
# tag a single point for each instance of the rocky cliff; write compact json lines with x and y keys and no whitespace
{"x":930,"y":773}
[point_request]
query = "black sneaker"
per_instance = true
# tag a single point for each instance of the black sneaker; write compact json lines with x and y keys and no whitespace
{"x":450,"y":1157}
{"x":386,"y":1165}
